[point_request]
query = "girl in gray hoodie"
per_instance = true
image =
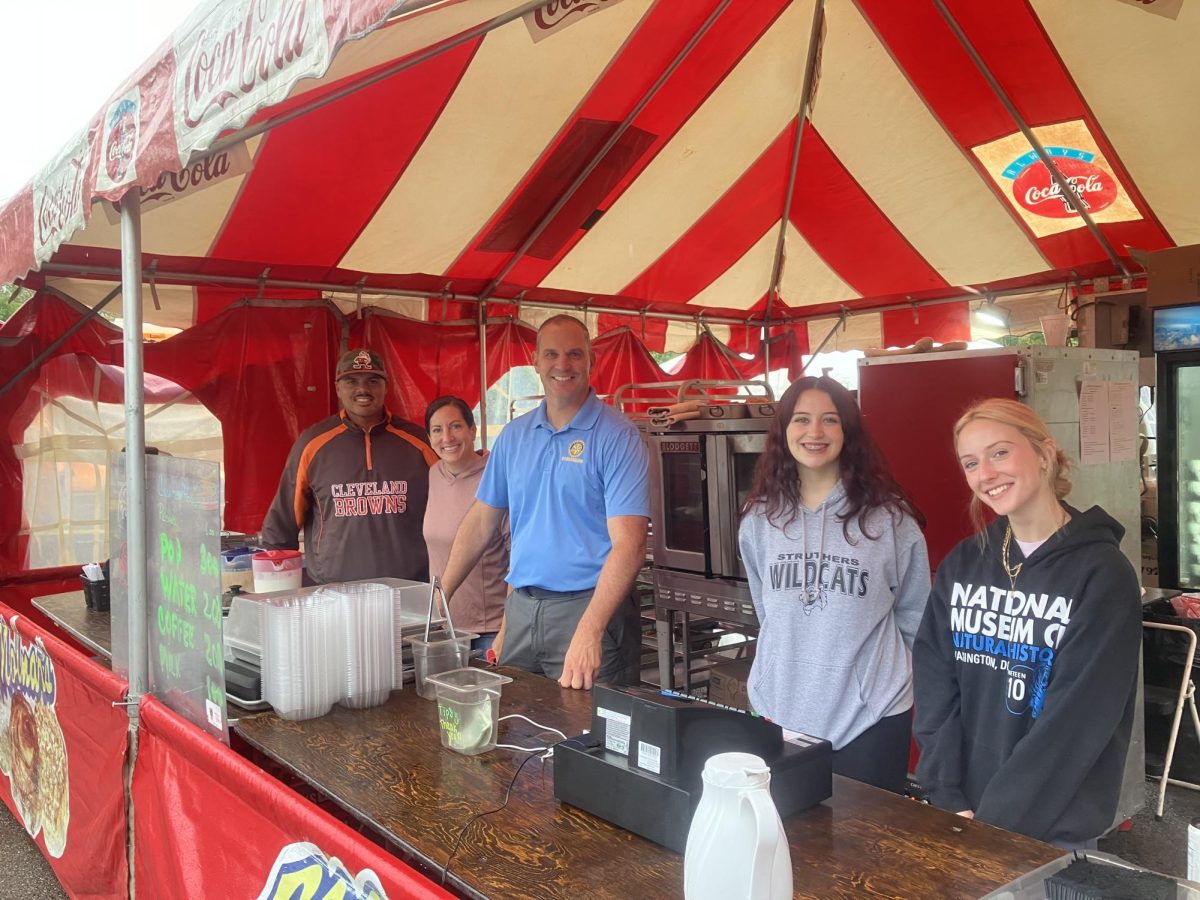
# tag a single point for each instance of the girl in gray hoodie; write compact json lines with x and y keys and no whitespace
{"x":839,"y":574}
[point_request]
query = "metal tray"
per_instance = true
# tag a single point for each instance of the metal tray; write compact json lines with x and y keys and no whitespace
{"x":252,"y":705}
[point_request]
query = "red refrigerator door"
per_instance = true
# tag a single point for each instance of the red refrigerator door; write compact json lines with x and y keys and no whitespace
{"x":909,"y":407}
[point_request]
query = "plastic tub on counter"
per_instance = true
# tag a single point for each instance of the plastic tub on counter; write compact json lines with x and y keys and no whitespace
{"x":440,"y":653}
{"x":277,"y":570}
{"x":468,"y":708}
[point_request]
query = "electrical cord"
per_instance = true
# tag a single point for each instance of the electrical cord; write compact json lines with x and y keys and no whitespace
{"x":533,"y":752}
{"x":462,"y":832}
{"x":531,"y":722}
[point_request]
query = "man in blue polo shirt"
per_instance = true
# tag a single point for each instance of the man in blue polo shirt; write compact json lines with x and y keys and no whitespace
{"x":573,"y":476}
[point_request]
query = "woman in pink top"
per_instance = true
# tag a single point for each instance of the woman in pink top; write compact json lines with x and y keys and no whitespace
{"x":478,"y":605}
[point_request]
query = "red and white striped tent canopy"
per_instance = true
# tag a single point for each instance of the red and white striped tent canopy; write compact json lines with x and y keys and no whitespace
{"x":633,"y":154}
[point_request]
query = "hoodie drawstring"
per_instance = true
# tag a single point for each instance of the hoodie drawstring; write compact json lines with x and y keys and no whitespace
{"x":812,"y":597}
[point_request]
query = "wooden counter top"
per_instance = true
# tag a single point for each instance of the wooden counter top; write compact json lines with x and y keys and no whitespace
{"x":387,"y":767}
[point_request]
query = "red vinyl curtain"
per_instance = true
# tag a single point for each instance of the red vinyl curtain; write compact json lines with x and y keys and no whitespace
{"x":212,"y":824}
{"x":265,"y":371}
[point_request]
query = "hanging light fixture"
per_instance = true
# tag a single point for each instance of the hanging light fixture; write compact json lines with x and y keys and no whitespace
{"x":991,"y":314}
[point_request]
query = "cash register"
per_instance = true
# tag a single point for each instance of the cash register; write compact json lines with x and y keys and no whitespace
{"x":639,"y":766}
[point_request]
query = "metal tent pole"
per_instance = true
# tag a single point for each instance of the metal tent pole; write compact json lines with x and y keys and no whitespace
{"x":840,"y":323}
{"x":806,"y":90}
{"x":483,"y":382}
{"x":795,"y":316}
{"x":1063,"y":185}
{"x":135,"y":483}
{"x":65,"y":270}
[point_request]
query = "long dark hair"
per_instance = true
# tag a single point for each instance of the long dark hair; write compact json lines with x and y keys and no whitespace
{"x":868,"y":483}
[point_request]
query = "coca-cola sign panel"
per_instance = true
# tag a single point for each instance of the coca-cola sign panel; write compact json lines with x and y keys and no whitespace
{"x":1022,"y":178}
{"x":250,"y":56}
{"x":119,"y":145}
{"x":58,"y":199}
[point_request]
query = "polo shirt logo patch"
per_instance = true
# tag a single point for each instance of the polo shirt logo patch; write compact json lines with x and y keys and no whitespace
{"x":574,"y":452}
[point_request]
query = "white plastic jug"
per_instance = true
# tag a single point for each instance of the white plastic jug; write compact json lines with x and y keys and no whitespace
{"x":736,"y":848}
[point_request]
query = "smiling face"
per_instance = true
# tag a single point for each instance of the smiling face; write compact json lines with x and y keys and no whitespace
{"x":814,"y":434}
{"x":564,"y":361}
{"x":362,"y":396}
{"x":451,"y":438}
{"x":1004,"y":469}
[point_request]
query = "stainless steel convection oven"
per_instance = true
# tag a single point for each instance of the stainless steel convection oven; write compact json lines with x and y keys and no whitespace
{"x":702,"y":471}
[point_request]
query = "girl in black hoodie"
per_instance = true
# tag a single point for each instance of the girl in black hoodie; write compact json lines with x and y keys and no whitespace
{"x":1025,"y":664}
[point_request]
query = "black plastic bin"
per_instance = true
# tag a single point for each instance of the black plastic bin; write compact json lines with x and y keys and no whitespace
{"x":95,"y":594}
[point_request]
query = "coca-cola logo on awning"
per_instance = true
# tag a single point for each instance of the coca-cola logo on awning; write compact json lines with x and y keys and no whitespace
{"x":120,"y":140}
{"x":558,"y":14}
{"x":1034,"y":189}
{"x":58,"y":200}
{"x":205,"y":172}
{"x":263,"y":38}
{"x":198,"y":174}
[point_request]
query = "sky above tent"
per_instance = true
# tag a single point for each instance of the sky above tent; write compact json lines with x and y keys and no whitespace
{"x":62,"y":60}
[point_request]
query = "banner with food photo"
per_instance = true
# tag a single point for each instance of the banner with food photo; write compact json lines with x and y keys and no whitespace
{"x":62,"y":756}
{"x":189,"y":790}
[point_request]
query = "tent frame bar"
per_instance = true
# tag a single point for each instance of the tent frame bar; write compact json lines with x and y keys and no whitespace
{"x":63,"y":270}
{"x":1006,"y":101}
{"x":483,"y":382}
{"x":90,"y":314}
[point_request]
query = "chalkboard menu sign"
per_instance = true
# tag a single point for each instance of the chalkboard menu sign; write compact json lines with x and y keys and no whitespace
{"x":183,"y":585}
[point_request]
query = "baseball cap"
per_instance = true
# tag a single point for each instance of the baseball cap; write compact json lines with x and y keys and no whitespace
{"x":364,"y":362}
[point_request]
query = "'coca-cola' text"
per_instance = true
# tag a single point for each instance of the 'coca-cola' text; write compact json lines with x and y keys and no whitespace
{"x":225,"y":65}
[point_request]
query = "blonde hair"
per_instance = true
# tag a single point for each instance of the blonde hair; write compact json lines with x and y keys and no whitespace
{"x":1033,"y":429}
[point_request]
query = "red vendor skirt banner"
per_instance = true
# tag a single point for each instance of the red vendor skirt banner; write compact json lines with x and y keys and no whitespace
{"x":209,"y":823}
{"x":62,"y":755}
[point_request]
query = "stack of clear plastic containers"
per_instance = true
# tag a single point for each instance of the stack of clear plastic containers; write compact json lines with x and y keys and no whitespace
{"x":369,"y":643}
{"x":304,"y":653}
{"x":331,"y":645}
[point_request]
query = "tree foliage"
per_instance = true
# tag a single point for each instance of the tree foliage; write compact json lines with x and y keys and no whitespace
{"x":12,"y":298}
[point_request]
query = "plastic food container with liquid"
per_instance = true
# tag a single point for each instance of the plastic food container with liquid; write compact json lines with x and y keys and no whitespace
{"x":468,"y":708}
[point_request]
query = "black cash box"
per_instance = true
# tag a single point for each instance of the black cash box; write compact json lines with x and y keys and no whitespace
{"x":640,"y":766}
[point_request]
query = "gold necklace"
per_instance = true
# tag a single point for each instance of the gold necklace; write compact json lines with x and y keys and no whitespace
{"x":1011,"y":571}
{"x":1014,"y":571}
